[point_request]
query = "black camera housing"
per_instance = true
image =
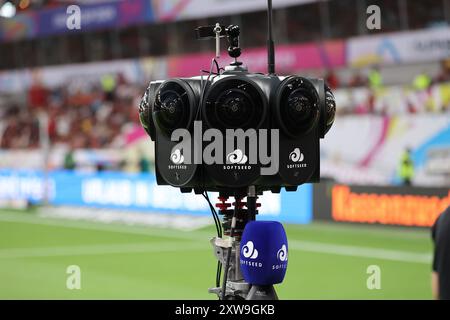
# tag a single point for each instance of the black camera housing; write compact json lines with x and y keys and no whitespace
{"x":301,"y":109}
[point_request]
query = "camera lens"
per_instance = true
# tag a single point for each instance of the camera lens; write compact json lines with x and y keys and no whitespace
{"x":330,"y":105}
{"x":234,"y":103}
{"x":234,"y":107}
{"x":145,"y":114}
{"x":297,"y":106}
{"x":173,"y":107}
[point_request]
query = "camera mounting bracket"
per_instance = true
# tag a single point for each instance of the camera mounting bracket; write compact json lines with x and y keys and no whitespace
{"x":218,"y":31}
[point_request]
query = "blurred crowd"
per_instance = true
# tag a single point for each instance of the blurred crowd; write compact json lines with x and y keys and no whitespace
{"x":89,"y":117}
{"x":95,"y":115}
{"x":366,"y":92}
{"x":373,"y":78}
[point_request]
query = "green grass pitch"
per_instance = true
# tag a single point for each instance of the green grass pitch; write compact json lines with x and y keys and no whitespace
{"x":326,"y":261}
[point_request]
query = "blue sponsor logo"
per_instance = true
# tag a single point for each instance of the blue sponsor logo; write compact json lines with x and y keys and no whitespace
{"x":138,"y":192}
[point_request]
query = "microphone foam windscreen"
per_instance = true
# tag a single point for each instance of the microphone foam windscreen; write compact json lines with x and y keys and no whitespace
{"x":264,"y":252}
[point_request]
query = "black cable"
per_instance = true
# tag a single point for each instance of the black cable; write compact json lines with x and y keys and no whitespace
{"x":219,"y":273}
{"x":217,"y":65}
{"x":214,"y":73}
{"x":229,"y":251}
{"x":205,"y":194}
{"x":214,"y":215}
{"x":218,"y":69}
{"x":219,"y":234}
{"x":203,"y":84}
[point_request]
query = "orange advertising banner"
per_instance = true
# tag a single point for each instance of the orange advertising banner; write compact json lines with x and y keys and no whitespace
{"x":405,"y":206}
{"x":406,"y":209}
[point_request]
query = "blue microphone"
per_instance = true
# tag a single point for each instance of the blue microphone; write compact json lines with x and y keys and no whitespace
{"x":264,"y":253}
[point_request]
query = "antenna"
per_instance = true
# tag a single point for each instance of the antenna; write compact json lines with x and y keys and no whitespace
{"x":270,"y":44}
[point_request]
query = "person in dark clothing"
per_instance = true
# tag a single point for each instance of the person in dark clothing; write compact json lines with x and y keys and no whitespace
{"x":441,"y":260}
{"x":69,"y":160}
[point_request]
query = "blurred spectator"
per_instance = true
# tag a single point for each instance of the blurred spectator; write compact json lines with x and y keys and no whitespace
{"x":444,"y":74}
{"x":84,"y":116}
{"x":144,"y":164}
{"x":357,"y":80}
{"x":37,"y":95}
{"x":406,"y":170}
{"x":69,"y":160}
{"x":331,"y":79}
{"x":375,"y":78}
{"x":101,"y":167}
{"x":21,"y":129}
{"x":422,"y":81}
{"x":108,"y":85}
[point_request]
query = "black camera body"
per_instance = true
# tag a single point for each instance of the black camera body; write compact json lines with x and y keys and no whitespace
{"x":184,"y":96}
{"x":301,"y":110}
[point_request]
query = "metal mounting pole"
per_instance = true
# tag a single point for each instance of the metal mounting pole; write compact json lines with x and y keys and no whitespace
{"x":227,"y":250}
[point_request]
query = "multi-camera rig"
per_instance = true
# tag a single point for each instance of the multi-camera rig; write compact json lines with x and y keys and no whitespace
{"x":300,"y":110}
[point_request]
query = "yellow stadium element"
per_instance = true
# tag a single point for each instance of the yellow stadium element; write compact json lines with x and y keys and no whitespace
{"x":375,"y":79}
{"x":108,"y":83}
{"x":422,"y":81}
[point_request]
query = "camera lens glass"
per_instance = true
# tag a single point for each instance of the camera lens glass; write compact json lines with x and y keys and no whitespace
{"x":330,"y":104}
{"x":298,"y":107}
{"x":234,"y":103}
{"x":145,"y":114}
{"x":172,"y":106}
{"x":234,"y":107}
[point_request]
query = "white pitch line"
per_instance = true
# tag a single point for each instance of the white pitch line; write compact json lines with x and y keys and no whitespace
{"x":116,"y":228}
{"x":367,"y":229}
{"x":317,"y":247}
{"x":98,"y":249}
{"x":362,"y":252}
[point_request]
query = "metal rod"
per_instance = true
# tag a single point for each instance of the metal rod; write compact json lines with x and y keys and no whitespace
{"x":270,"y":43}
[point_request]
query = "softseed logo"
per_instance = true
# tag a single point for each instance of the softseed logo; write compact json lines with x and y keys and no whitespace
{"x":237,"y":156}
{"x":296,"y":155}
{"x":249,"y":250}
{"x":282,"y":253}
{"x":282,"y":256}
{"x":236,"y":160}
{"x":176,"y":157}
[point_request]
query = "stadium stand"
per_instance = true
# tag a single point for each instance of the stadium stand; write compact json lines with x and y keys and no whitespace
{"x":88,"y":98}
